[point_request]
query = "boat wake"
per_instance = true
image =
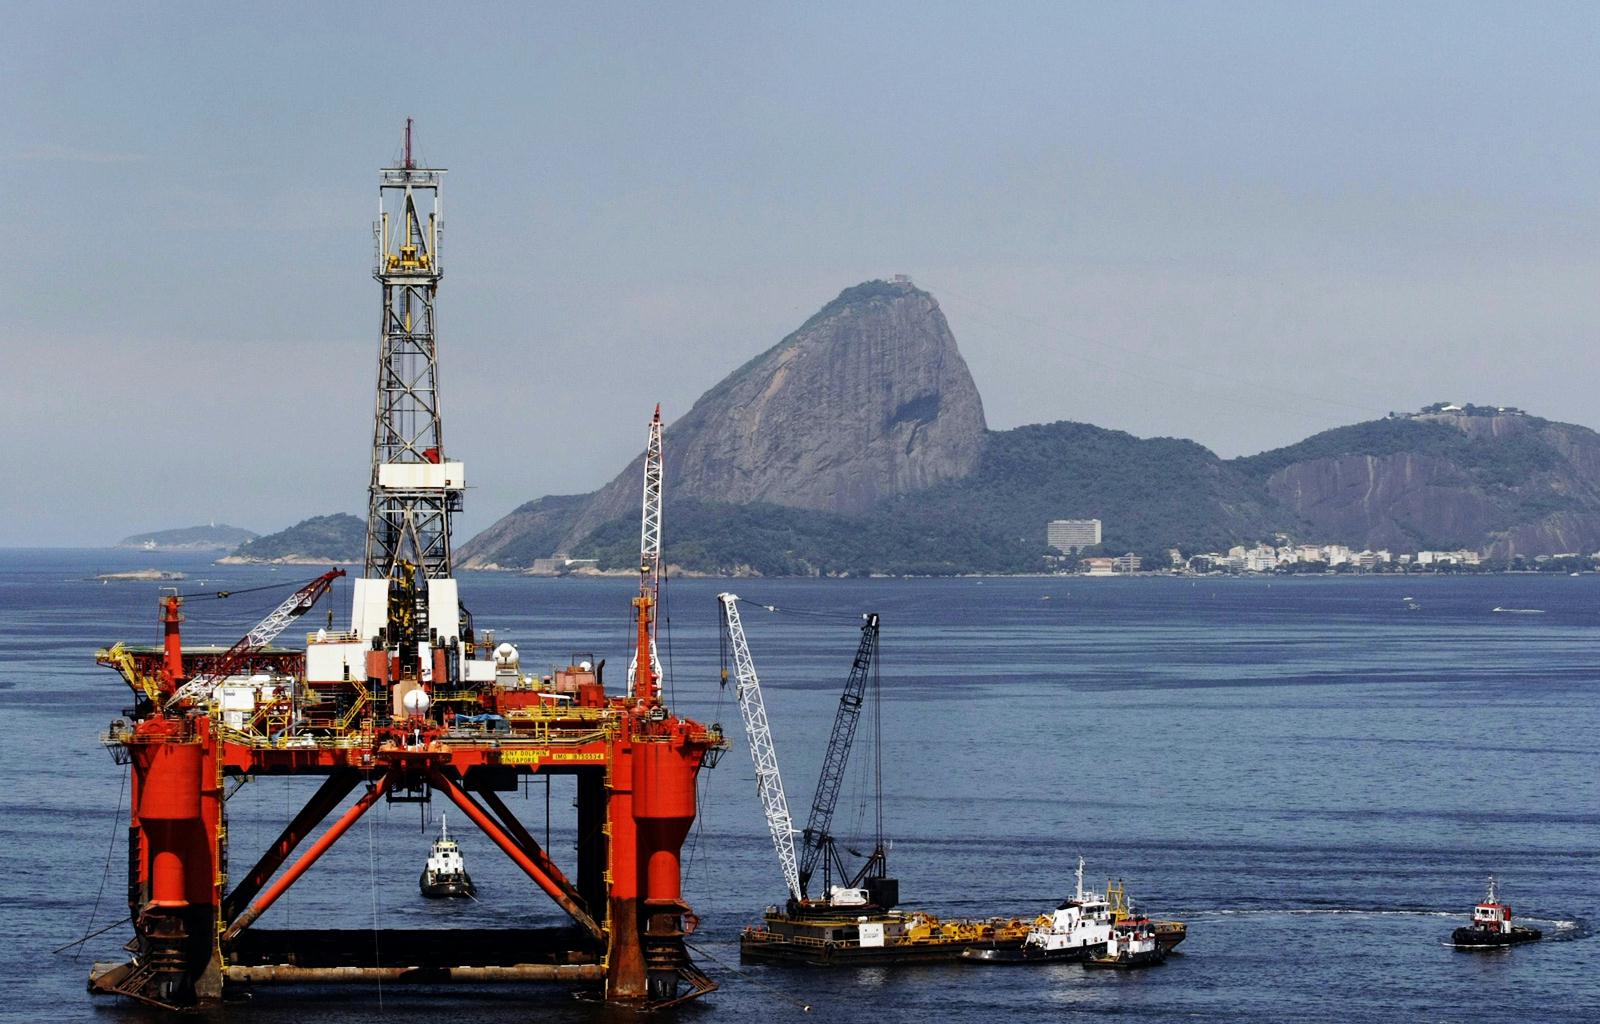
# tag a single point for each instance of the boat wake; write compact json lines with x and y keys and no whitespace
{"x":1323,"y":911}
{"x":1563,"y":930}
{"x":1556,"y":929}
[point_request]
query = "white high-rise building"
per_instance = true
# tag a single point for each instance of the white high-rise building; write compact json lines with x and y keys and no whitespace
{"x":1067,"y":534}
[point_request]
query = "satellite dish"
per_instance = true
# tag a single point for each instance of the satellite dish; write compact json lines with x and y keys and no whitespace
{"x":416,"y":701}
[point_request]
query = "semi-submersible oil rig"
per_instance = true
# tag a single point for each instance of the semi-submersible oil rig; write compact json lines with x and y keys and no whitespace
{"x":406,"y":704}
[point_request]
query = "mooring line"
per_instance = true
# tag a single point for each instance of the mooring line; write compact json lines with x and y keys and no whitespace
{"x":86,"y":938}
{"x":372,"y":888}
{"x":111,"y":846}
{"x":780,"y":993}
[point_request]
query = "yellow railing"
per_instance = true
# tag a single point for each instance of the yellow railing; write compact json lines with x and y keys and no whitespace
{"x":117,"y":656}
{"x":363,"y":697}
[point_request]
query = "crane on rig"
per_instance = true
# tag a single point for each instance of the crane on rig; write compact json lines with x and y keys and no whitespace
{"x":260,"y":635}
{"x":649,"y":598}
{"x":869,"y":885}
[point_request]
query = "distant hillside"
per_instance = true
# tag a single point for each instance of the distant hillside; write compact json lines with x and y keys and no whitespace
{"x":1504,"y":483}
{"x":320,"y":539}
{"x":857,"y":444}
{"x":213,"y":536}
{"x":1152,"y":493}
{"x":772,"y":540}
{"x":533,"y":530}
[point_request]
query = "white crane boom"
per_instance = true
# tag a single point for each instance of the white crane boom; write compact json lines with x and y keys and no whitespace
{"x":754,"y":711}
{"x":650,"y":542}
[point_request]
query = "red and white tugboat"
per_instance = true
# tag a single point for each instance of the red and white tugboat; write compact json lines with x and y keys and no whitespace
{"x":1132,"y":943}
{"x":1491,"y":926}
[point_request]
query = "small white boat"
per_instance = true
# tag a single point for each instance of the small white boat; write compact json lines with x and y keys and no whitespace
{"x":446,"y":872}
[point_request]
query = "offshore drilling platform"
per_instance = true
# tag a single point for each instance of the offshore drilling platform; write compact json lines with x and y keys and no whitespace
{"x":407,"y":704}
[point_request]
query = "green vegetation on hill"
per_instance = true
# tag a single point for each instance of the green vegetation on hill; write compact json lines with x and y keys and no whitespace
{"x":335,"y":538}
{"x":774,"y":540}
{"x":1514,"y":473}
{"x":540,"y":525}
{"x":1152,"y":494}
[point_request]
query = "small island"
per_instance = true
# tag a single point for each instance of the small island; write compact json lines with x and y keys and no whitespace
{"x":210,"y":537}
{"x":320,"y":540}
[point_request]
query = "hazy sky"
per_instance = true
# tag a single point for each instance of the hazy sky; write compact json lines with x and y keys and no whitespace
{"x":1235,"y":223}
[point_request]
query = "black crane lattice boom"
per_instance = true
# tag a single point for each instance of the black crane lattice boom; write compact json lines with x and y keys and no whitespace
{"x":818,"y":841}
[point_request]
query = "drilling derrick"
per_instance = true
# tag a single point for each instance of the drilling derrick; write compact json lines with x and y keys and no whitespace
{"x":414,"y":490}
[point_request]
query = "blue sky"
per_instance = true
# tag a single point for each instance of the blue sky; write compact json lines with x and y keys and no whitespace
{"x":1236,"y":223}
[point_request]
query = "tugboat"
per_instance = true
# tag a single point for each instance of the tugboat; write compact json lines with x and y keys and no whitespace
{"x":1133,"y":943}
{"x":1491,"y":926}
{"x":446,"y":873}
{"x":1077,"y":929}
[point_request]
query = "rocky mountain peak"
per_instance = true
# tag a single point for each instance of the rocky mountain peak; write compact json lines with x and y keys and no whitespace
{"x":868,"y":399}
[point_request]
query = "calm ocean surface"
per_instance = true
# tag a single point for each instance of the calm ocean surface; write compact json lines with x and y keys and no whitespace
{"x":1314,"y":777}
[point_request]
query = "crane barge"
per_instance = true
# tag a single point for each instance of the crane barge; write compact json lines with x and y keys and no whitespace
{"x":855,"y":920}
{"x":392,"y":709}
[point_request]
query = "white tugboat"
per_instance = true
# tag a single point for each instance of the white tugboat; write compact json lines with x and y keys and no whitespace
{"x":1078,"y":929}
{"x":1491,"y":925}
{"x":1133,"y":943}
{"x":446,"y":873}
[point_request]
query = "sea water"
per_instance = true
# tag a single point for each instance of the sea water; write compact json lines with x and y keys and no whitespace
{"x":1314,"y":775}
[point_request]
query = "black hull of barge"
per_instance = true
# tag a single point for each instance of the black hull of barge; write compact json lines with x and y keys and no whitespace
{"x":777,"y":951}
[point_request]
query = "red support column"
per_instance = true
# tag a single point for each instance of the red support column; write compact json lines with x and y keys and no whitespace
{"x":209,"y":881}
{"x":174,"y":925}
{"x":530,"y":845}
{"x":321,"y":804}
{"x":625,"y":973}
{"x":307,"y":859}
{"x":172,"y":643}
{"x":664,"y":770}
{"x":459,"y":796}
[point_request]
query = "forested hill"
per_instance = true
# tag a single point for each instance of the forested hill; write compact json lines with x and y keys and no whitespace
{"x":335,"y":538}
